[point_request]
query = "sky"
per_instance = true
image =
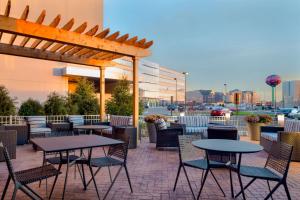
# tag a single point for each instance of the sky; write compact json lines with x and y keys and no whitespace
{"x":237,"y":42}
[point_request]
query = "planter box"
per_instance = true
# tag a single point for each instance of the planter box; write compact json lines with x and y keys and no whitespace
{"x":151,"y":132}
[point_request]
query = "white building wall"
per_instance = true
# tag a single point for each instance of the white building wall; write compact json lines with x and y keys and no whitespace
{"x":26,"y":77}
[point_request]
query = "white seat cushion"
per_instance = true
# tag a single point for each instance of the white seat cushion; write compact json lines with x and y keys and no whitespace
{"x":107,"y":131}
{"x":270,"y":136}
{"x":116,"y":120}
{"x":192,"y":121}
{"x":37,"y":121}
{"x":40,"y":130}
{"x":195,"y":129}
{"x":77,"y":120}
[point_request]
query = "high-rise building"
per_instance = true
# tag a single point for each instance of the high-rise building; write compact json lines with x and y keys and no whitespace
{"x":291,"y":93}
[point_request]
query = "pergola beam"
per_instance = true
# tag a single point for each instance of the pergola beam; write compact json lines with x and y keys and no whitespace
{"x":29,"y":29}
{"x":39,"y":54}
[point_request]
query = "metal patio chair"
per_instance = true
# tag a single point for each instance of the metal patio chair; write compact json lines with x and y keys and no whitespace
{"x":276,"y":169}
{"x":21,"y":179}
{"x":116,"y":156}
{"x":187,"y":158}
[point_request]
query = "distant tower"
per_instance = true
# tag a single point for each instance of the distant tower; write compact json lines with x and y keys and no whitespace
{"x":225,"y":92}
{"x":273,"y":81}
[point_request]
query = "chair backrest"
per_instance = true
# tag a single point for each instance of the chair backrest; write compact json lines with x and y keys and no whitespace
{"x":222,"y":132}
{"x":118,"y":120}
{"x":292,"y":125}
{"x":4,"y":151}
{"x":119,"y":150}
{"x":77,"y":120}
{"x":186,"y":149}
{"x":280,"y":157}
{"x":37,"y":121}
{"x":201,"y":121}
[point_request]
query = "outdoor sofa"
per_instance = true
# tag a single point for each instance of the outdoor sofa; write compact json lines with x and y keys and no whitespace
{"x":193,"y":124}
{"x":115,"y":121}
{"x":37,"y":126}
{"x":289,"y":134}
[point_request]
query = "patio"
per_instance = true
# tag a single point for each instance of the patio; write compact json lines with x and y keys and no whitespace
{"x":152,"y":174}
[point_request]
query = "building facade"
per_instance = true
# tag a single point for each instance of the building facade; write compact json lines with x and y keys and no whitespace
{"x":31,"y":78}
{"x":291,"y":93}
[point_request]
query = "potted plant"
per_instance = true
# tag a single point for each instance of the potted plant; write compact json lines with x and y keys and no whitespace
{"x":150,"y":119}
{"x":254,"y":124}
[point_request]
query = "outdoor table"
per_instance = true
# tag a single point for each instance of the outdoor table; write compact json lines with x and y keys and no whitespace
{"x":70,"y":143}
{"x":91,"y":127}
{"x":229,"y":146}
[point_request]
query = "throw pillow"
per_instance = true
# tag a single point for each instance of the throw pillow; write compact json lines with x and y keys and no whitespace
{"x":161,"y":124}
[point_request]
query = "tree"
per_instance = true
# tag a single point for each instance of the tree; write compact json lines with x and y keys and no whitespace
{"x":7,"y":104}
{"x":55,"y":104}
{"x":84,"y":101}
{"x":121,"y":102}
{"x":31,"y":107}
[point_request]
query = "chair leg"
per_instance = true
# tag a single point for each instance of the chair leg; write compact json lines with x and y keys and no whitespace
{"x":83,"y":177}
{"x":217,"y":182}
{"x":231,"y":185}
{"x":187,"y":178}
{"x":245,"y":187}
{"x":269,"y":188}
{"x":178,"y":173}
{"x":95,"y":184}
{"x":128,"y":178}
{"x":94,"y":175}
{"x":287,"y":191}
{"x":202,"y":176}
{"x":5,"y":188}
{"x":202,"y":184}
{"x":27,"y":190}
{"x":242,"y":187}
{"x":52,"y":189}
{"x":109,"y":172}
{"x":273,"y":190}
{"x":112,"y":183}
{"x":15,"y":193}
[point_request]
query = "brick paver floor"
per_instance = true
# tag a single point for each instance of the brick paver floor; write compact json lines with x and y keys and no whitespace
{"x":152,"y":174}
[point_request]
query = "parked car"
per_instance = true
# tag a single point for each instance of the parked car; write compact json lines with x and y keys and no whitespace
{"x":288,"y":112}
{"x":172,"y":107}
{"x":295,"y":114}
{"x":219,"y":111}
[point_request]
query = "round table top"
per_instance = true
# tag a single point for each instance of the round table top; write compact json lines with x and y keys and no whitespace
{"x":230,"y":146}
{"x":93,"y":127}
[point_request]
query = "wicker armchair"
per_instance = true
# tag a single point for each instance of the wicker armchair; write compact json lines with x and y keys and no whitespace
{"x":22,"y":132}
{"x":289,"y":134}
{"x":9,"y":139}
{"x":167,"y":137}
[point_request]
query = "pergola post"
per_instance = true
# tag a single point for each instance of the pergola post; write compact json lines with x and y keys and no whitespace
{"x":102,"y":93}
{"x":135,"y":91}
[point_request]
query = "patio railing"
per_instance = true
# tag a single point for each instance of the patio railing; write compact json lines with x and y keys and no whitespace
{"x":237,"y":121}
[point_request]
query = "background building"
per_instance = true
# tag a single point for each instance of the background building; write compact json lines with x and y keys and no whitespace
{"x":291,"y":93}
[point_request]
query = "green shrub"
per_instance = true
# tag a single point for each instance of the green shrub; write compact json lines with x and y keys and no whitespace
{"x":7,"y":104}
{"x":31,"y":108}
{"x":83,"y":101}
{"x":121,"y":102}
{"x":55,"y":104}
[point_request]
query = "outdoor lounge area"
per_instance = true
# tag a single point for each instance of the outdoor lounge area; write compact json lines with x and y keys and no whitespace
{"x":85,"y":117}
{"x":152,"y":176}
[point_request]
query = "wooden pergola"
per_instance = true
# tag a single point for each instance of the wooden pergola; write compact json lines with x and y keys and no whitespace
{"x":73,"y":46}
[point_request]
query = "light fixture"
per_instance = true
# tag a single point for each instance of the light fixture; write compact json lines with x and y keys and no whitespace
{"x":227,"y":116}
{"x":280,"y":120}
